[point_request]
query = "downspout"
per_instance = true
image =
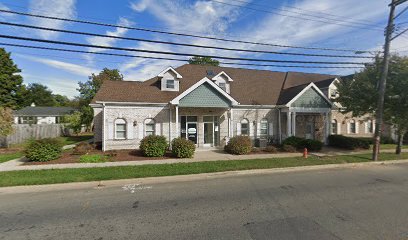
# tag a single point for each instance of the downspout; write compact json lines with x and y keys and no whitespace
{"x":103,"y":127}
{"x":170,"y":126}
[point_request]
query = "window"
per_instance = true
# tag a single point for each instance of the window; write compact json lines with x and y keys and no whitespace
{"x":353,"y":126}
{"x":170,"y":83}
{"x":149,"y":127}
{"x":120,"y":129}
{"x":28,"y":120}
{"x":223,"y":86}
{"x":333,"y":93}
{"x":245,"y":127}
{"x":370,"y":126}
{"x":334,"y":127}
{"x":264,"y":127}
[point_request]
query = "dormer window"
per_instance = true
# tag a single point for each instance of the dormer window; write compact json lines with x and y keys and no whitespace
{"x":223,"y":86}
{"x":223,"y":81}
{"x":170,"y":83}
{"x":170,"y":79}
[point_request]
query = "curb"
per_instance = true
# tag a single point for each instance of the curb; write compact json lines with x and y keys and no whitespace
{"x":184,"y":178}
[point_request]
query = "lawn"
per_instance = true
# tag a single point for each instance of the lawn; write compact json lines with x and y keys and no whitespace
{"x":10,"y":156}
{"x":36,"y":177}
{"x":391,"y":146}
{"x":74,"y":139}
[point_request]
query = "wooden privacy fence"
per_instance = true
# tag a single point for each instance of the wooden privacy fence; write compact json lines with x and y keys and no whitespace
{"x":23,"y":132}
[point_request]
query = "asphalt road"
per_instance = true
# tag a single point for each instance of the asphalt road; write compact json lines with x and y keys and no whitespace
{"x":368,"y":202}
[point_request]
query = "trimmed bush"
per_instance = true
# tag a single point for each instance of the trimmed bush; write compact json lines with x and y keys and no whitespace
{"x":312,"y":145}
{"x":301,"y":143}
{"x":296,"y":142}
{"x":239,"y":145}
{"x":82,"y":148}
{"x":350,"y":143}
{"x":43,"y":150}
{"x":271,"y":149}
{"x":289,"y":148}
{"x":153,"y":146}
{"x":182,"y":148}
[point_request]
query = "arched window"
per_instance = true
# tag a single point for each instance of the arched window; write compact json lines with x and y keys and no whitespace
{"x":353,"y":126}
{"x":264,"y":127}
{"x":245,"y":127}
{"x":120,"y":128}
{"x":334,"y":129}
{"x":149,"y":127}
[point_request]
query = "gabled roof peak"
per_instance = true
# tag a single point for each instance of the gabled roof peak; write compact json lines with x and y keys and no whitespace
{"x":171,"y":69}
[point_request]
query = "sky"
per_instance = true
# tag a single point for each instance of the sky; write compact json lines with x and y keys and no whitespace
{"x":346,"y":24}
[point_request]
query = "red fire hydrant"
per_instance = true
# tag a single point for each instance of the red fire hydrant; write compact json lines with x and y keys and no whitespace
{"x":305,"y":153}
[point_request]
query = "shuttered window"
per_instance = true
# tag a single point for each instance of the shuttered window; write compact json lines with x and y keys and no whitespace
{"x":120,"y":129}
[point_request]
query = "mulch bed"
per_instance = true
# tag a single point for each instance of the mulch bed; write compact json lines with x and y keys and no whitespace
{"x":121,"y":155}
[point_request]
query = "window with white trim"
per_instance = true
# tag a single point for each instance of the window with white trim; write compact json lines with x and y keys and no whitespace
{"x":170,"y":83}
{"x":352,"y":126}
{"x":264,"y":128}
{"x":334,"y":127}
{"x":223,"y":86}
{"x":245,"y":127}
{"x":120,"y":128}
{"x":370,"y":126}
{"x":149,"y":127}
{"x":28,"y":120}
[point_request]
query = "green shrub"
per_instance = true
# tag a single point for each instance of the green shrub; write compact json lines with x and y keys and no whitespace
{"x":182,"y":148}
{"x":301,"y":143}
{"x":82,"y":148}
{"x":271,"y":149}
{"x":43,"y":150}
{"x":386,"y":140}
{"x":294,"y":141}
{"x":312,"y":145}
{"x":239,"y":145}
{"x":350,"y":143}
{"x":153,"y":146}
{"x":289,"y":148}
{"x":93,"y":158}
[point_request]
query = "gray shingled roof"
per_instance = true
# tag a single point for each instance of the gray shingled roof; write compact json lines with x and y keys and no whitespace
{"x":44,"y":111}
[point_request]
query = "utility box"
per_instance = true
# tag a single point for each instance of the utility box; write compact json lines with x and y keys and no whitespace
{"x":261,"y":142}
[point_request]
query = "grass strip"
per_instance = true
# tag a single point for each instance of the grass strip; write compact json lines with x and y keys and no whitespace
{"x":52,"y":176}
{"x":10,"y":156}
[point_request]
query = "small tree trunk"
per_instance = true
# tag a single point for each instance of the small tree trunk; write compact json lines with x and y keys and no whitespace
{"x":399,"y":144}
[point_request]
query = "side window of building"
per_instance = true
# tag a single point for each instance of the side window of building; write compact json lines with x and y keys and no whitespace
{"x":120,"y":128}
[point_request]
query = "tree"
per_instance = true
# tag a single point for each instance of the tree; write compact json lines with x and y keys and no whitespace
{"x":6,"y":121}
{"x":61,"y":100}
{"x":359,"y":96}
{"x":88,"y":89}
{"x":203,"y":61}
{"x":11,"y":83}
{"x":73,"y":122}
{"x":40,"y":95}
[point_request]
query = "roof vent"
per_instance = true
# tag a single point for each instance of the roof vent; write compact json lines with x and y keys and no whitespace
{"x":210,"y":73}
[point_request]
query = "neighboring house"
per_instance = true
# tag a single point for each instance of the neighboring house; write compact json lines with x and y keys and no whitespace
{"x":209,"y":105}
{"x":41,"y":115}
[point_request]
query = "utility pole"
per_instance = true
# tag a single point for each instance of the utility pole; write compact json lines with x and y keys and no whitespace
{"x":383,"y":80}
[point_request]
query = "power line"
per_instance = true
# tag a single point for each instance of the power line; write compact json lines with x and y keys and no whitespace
{"x":172,"y":53}
{"x":180,"y":34}
{"x":337,"y":17}
{"x":297,"y":17}
{"x":179,"y":44}
{"x":163,"y":58}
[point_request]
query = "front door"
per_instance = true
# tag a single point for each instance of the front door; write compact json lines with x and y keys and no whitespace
{"x":209,"y":134}
{"x":310,"y":129}
{"x":192,"y":132}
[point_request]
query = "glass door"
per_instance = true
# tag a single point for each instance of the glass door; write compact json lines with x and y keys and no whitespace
{"x":209,"y":134}
{"x":192,"y":132}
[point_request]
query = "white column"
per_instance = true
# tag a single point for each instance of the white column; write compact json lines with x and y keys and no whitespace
{"x":232,"y":122}
{"x":288,"y":124}
{"x":294,"y":123}
{"x":177,"y":122}
{"x":103,"y":127}
{"x":229,"y":123}
{"x":170,"y":125}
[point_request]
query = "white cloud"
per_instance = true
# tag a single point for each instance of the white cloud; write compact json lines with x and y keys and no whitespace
{"x":68,"y":67}
{"x":60,"y":8}
{"x":65,"y":87}
{"x":103,"y":41}
{"x":4,"y":16}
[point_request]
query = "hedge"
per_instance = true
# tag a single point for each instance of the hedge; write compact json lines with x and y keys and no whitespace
{"x":239,"y":145}
{"x":153,"y":146}
{"x":182,"y":148}
{"x":350,"y":143}
{"x":301,"y":143}
{"x":43,"y":150}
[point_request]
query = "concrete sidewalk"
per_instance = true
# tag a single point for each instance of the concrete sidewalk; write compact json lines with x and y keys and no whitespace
{"x":199,"y":156}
